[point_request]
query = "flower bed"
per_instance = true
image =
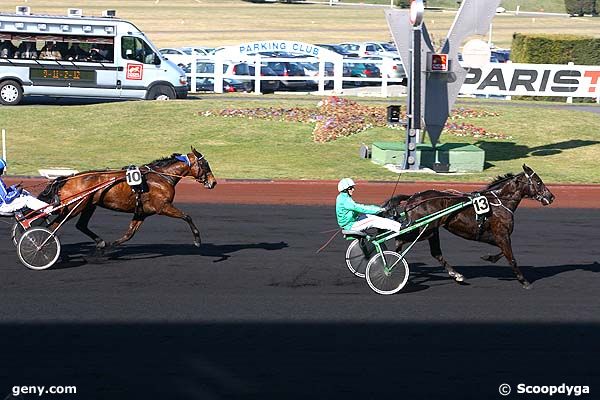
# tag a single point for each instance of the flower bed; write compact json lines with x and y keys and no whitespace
{"x":337,"y":117}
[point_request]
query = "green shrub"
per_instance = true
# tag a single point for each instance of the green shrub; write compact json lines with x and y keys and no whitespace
{"x":580,"y":7}
{"x":555,"y":49}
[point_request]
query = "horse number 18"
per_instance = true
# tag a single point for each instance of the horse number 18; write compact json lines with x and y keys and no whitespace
{"x":481,"y":205}
{"x":133,"y":177}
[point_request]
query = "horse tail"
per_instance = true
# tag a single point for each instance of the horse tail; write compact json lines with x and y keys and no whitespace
{"x":51,"y":191}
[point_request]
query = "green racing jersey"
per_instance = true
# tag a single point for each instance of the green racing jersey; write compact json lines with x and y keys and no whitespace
{"x":347,"y":210}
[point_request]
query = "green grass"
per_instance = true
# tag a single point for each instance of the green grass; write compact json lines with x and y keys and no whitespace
{"x":562,"y":145}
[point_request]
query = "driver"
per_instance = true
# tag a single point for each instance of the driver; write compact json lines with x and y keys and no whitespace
{"x":359,"y":217}
{"x":14,"y":198}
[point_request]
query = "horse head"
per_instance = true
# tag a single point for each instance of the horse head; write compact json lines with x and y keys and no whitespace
{"x":200,"y":169}
{"x":536,"y":188}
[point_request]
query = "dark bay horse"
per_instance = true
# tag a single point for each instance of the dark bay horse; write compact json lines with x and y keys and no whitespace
{"x":504,"y":195}
{"x":161,"y":176}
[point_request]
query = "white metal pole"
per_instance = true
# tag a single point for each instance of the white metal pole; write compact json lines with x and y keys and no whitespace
{"x":4,"y":145}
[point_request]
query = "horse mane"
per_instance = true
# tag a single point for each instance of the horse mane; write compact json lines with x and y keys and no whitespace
{"x":500,"y":179}
{"x":165,"y":161}
{"x":395,"y":200}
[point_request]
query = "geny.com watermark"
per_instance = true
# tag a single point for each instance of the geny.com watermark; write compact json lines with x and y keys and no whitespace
{"x":43,"y":390}
{"x":546,"y":390}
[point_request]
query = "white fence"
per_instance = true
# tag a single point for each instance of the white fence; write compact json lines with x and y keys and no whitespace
{"x":494,"y":79}
{"x":330,"y":74}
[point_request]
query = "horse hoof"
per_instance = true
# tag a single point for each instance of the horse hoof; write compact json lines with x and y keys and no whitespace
{"x":527,"y":285}
{"x":101,"y":244}
{"x":197,"y":243}
{"x":457,"y":277}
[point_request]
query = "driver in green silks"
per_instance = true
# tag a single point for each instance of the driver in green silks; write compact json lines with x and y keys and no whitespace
{"x":354,"y":216}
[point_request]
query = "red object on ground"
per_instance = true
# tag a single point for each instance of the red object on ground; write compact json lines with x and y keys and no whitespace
{"x":324,"y":192}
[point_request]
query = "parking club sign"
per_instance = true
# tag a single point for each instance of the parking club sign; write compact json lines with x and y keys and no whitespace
{"x":279,"y":46}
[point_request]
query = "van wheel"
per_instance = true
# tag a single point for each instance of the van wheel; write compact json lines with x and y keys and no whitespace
{"x":161,"y":93}
{"x":11,"y":93}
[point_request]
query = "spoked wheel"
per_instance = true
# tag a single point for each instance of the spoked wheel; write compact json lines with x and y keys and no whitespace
{"x":17,"y":232}
{"x":38,"y":248}
{"x":17,"y":229}
{"x":387,"y":272}
{"x":358,"y":255}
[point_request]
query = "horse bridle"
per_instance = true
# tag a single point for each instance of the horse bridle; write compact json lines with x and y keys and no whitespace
{"x":537,"y":195}
{"x":204,"y":178}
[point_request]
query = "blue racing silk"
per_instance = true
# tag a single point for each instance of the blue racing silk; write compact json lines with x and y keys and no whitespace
{"x":348,"y":211}
{"x":7,"y":193}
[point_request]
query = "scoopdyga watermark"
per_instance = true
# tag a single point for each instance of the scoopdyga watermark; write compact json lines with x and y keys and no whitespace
{"x":545,"y":390}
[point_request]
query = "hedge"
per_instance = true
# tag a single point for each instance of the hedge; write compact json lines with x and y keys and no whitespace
{"x":555,"y":49}
{"x":580,"y":7}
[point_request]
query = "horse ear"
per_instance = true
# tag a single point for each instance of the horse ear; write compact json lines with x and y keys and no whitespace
{"x":526,"y":168}
{"x":195,"y":151}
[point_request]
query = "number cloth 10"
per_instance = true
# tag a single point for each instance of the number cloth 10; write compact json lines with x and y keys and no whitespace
{"x":133,"y":176}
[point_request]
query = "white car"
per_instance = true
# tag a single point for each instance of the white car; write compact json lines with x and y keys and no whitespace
{"x":198,"y":50}
{"x":392,"y":67}
{"x":368,"y":49}
{"x":178,"y":56}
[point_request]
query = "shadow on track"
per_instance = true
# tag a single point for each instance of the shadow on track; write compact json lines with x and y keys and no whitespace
{"x":423,"y":273}
{"x":82,"y":253}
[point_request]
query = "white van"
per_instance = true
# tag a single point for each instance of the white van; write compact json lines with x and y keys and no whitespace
{"x":77,"y":56}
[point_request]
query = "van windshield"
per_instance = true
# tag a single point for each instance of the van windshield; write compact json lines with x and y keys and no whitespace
{"x":133,"y":48}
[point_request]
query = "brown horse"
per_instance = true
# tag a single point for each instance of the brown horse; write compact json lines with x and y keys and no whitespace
{"x":504,"y":195}
{"x":156,"y":196}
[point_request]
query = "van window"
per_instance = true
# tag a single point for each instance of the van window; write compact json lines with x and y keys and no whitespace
{"x":56,"y":47}
{"x":133,"y":48}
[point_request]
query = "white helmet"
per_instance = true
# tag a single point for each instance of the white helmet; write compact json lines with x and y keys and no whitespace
{"x":345,"y":184}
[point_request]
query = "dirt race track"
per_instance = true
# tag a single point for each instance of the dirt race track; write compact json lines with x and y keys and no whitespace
{"x":255,"y":313}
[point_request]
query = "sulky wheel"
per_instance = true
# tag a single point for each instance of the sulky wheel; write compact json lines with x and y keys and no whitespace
{"x":38,"y":248}
{"x":358,"y":255}
{"x":387,"y":277}
{"x":17,"y":229}
{"x":17,"y":232}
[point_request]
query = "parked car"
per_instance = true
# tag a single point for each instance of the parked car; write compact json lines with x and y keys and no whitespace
{"x":229,"y":85}
{"x":361,"y":70}
{"x":197,"y":50}
{"x":206,"y":66}
{"x":502,"y":55}
{"x":266,"y":85}
{"x":178,"y":56}
{"x":204,"y":83}
{"x":392,"y":67}
{"x":287,"y":68}
{"x":367,"y":49}
{"x":312,"y":69}
{"x":338,"y":49}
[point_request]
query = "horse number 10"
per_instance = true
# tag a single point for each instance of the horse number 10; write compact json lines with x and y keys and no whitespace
{"x":481,"y":205}
{"x":133,"y":176}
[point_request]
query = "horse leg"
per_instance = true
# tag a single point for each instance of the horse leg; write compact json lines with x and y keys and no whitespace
{"x":492,"y":258}
{"x":506,"y":248}
{"x":134,"y":225}
{"x":436,"y":252}
{"x":171,"y":211}
{"x":82,"y":225}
